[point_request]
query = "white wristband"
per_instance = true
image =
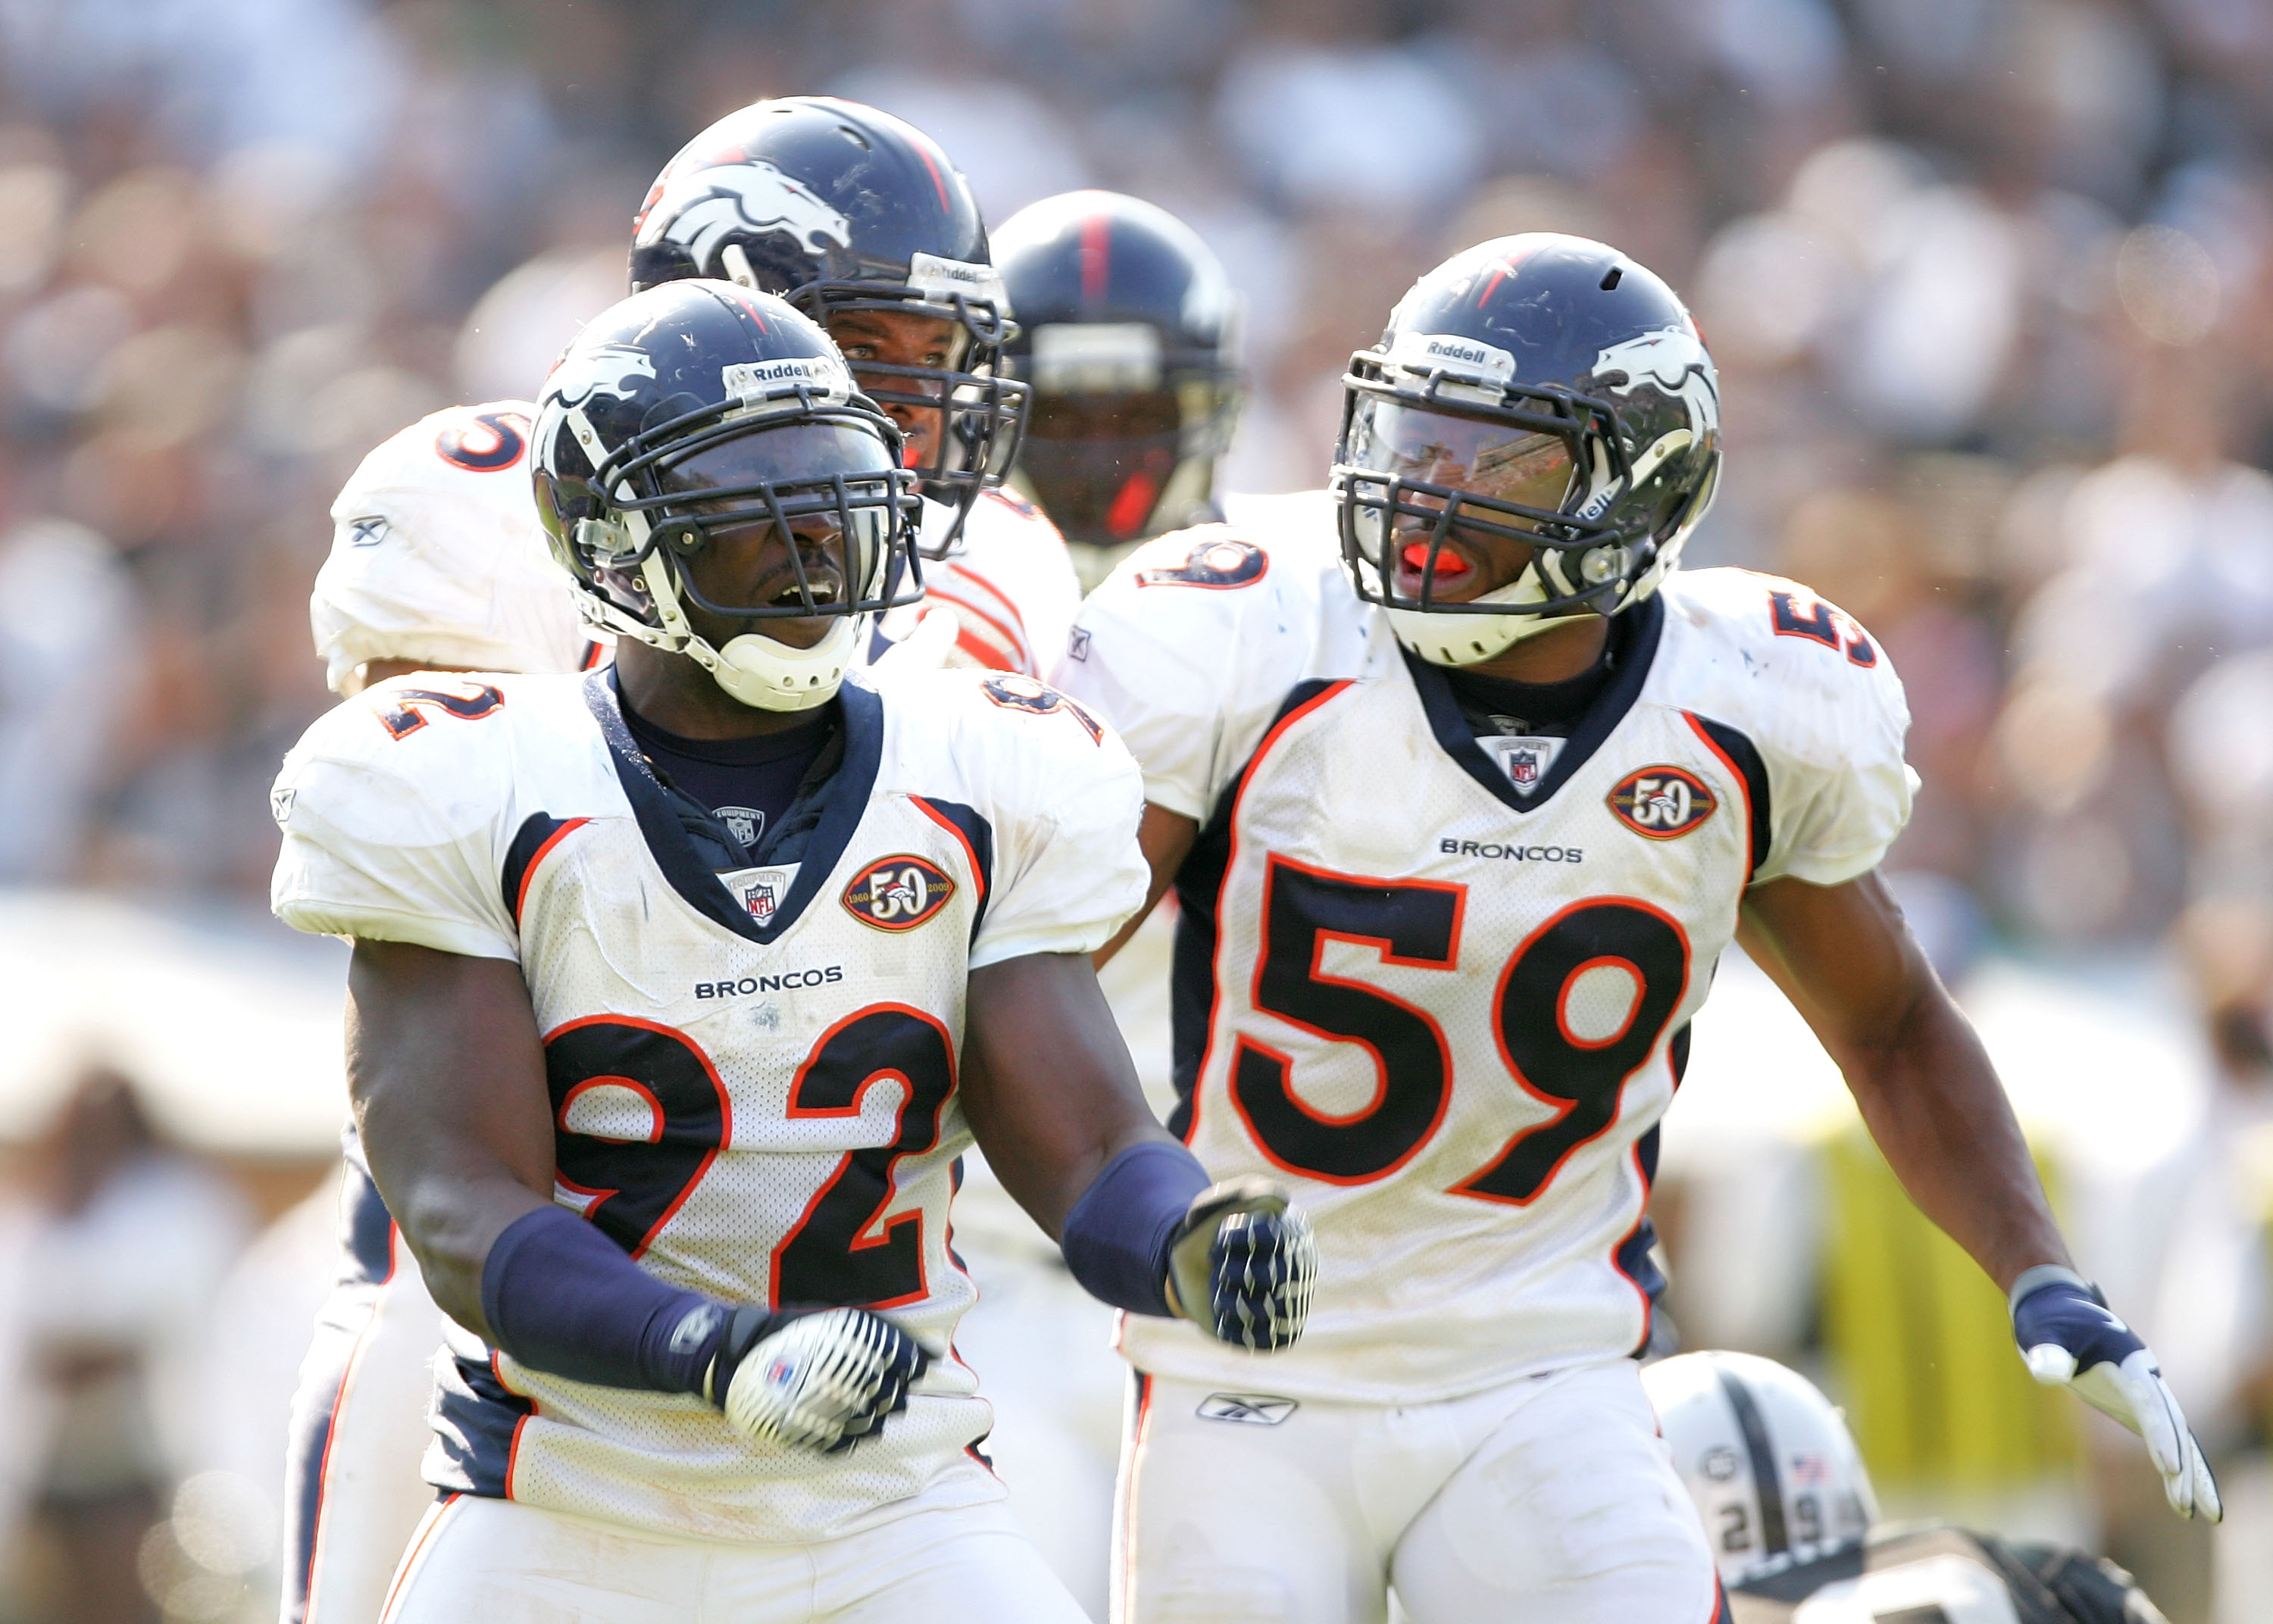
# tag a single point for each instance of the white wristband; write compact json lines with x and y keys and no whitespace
{"x":2045,"y":1274}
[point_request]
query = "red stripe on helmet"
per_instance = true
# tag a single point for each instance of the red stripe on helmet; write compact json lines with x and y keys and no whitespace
{"x":938,"y":184}
{"x":1096,"y":257}
{"x":1504,"y":269}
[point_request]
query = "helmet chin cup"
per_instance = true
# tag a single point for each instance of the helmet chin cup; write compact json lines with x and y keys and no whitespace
{"x":1471,"y":639}
{"x":756,"y":671}
{"x":767,"y":674}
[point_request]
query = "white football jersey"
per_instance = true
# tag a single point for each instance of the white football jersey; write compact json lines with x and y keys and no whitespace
{"x":437,"y":555}
{"x":1446,"y":994}
{"x":753,"y":1075}
{"x":1009,"y":579}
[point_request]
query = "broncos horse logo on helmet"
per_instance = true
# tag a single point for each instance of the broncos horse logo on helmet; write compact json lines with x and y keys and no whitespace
{"x":585,"y":373}
{"x":708,"y":210}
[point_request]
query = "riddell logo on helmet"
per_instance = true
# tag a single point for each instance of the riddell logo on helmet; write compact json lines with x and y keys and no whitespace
{"x":1429,"y":352}
{"x":760,"y":380}
{"x":934,"y":274}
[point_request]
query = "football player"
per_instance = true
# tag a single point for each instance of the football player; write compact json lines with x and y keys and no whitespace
{"x":861,"y":222}
{"x":438,"y":564}
{"x":1787,"y":1504}
{"x":1462,"y":804}
{"x":1127,"y":330}
{"x":670,"y":1117}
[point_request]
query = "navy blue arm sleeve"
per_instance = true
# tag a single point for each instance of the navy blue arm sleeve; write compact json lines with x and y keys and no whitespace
{"x":562,"y":1297}
{"x":1117,"y":1236}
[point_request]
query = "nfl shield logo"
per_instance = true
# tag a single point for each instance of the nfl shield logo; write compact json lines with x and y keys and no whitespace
{"x":761,"y":897}
{"x":1526,"y":760}
{"x":743,"y":823}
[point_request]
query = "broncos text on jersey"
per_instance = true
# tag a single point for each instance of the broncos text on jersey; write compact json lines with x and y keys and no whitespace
{"x":1446,"y":1003}
{"x":752,"y":1076}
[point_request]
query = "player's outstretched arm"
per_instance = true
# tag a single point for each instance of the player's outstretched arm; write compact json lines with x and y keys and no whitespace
{"x":1054,"y":1100}
{"x":1931,"y":1098}
{"x":447,"y":1074}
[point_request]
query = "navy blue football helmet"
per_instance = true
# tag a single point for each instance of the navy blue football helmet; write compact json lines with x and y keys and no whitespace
{"x":839,"y":207}
{"x":1541,"y":389}
{"x":1127,"y":327}
{"x":681,"y":372}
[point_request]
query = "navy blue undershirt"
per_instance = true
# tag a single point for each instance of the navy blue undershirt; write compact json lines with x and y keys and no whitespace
{"x":749,"y":782}
{"x":1493,"y":705}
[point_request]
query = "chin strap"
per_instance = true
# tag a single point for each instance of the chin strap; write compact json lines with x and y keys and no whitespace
{"x":766,"y":675}
{"x":1470,"y":640}
{"x":754,"y":669}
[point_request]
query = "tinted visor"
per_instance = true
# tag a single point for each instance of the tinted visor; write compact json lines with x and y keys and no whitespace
{"x":1099,"y":462}
{"x":822,"y":503}
{"x":1426,"y":494}
{"x":1471,"y":456}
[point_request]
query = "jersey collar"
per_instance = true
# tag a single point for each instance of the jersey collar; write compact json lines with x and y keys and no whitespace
{"x":844,"y":802}
{"x":1602,"y":719}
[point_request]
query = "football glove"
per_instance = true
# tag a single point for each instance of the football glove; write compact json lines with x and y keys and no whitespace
{"x":819,"y":1380}
{"x":2069,"y":1338}
{"x":1240,"y":1264}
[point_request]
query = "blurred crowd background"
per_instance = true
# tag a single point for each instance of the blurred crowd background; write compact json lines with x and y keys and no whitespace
{"x":1990,"y":283}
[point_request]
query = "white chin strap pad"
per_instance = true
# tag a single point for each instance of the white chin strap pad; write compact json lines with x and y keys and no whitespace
{"x":1470,"y":640}
{"x":754,"y":669}
{"x":766,"y":675}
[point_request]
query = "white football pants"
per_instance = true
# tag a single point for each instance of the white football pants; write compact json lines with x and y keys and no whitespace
{"x":353,"y":1492}
{"x":496,"y":1561}
{"x":1551,"y":1499}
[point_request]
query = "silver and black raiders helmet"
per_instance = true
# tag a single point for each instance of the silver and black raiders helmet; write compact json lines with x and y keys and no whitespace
{"x":677,"y":372}
{"x":837,"y":207}
{"x":1543,"y":389}
{"x":1772,"y":1470}
{"x":1127,"y":330}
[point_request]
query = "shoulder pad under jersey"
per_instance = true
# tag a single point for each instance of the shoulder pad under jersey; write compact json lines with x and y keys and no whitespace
{"x":1051,"y":785}
{"x":1813,"y":694}
{"x":437,"y":555}
{"x":397,"y":805}
{"x":1190,"y":647}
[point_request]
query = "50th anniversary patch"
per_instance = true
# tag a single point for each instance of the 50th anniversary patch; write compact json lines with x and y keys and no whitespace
{"x":898,"y":893}
{"x":1661,"y":803}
